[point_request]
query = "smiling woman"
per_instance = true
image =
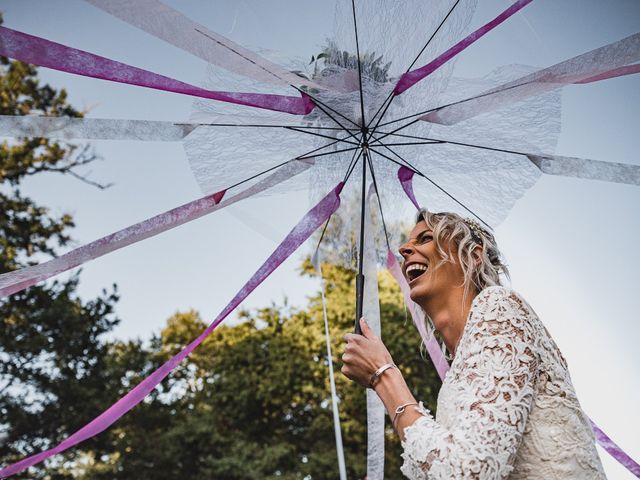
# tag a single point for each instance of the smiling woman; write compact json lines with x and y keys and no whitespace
{"x":507,"y":407}
{"x":450,"y":250}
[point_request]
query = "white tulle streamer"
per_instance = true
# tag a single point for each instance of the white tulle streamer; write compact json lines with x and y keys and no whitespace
{"x":332,"y":382}
{"x":173,"y":27}
{"x":67,"y":128}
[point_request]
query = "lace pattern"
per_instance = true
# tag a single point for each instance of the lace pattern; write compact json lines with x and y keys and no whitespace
{"x":507,"y":408}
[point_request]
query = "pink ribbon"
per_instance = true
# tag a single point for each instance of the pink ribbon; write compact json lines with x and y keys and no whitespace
{"x":38,"y":51}
{"x":608,"y":61}
{"x":409,"y":79}
{"x":405,"y":176}
{"x":440,"y":362}
{"x":18,"y":280}
{"x":303,"y":230}
{"x":615,"y":451}
{"x":613,"y":73}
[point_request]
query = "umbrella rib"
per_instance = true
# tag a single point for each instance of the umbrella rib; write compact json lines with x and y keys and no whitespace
{"x":319,"y":103}
{"x":301,"y":157}
{"x":244,"y":57}
{"x":326,"y":224}
{"x":258,"y":125}
{"x":391,"y":95}
{"x":355,"y":28}
{"x":434,"y":34}
{"x":324,"y":229}
{"x":320,"y":135}
{"x":403,"y":135}
{"x":434,"y":142}
{"x":375,"y":187}
{"x":482,"y":147}
{"x":435,"y":109}
{"x":439,"y":188}
{"x":401,"y":127}
{"x":306,"y":156}
{"x":406,"y":162}
{"x":405,"y":165}
{"x":352,"y":166}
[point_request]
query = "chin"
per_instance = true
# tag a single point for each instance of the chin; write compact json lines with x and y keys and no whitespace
{"x":419,"y":295}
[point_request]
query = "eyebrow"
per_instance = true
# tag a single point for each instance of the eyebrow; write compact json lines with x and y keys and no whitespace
{"x":426,"y":229}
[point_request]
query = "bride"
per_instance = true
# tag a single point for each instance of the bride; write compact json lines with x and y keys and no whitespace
{"x":507,"y":408}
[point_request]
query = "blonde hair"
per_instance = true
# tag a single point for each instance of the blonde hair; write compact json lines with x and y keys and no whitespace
{"x":480,"y":271}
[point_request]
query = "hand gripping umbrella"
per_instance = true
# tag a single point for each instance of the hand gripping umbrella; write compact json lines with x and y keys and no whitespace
{"x":378,"y":102}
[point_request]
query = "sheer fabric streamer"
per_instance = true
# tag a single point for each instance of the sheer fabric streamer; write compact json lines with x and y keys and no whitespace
{"x":18,"y":280}
{"x":68,"y":128}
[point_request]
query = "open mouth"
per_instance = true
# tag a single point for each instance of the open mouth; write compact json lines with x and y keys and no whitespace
{"x":415,"y":270}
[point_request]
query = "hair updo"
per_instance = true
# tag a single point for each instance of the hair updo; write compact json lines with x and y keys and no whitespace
{"x":466,"y":235}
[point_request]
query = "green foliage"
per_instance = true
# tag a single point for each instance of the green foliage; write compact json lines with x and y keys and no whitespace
{"x":253,"y":401}
{"x":26,"y":228}
{"x":332,"y":57}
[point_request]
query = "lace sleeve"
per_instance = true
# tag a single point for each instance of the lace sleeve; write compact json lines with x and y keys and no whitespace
{"x":492,"y":387}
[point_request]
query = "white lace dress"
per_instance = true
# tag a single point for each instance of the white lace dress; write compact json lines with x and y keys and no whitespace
{"x":507,"y":408}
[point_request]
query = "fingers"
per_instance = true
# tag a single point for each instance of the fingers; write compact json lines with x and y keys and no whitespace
{"x":346,"y":365}
{"x":364,"y":326}
{"x":367,"y":332}
{"x":352,"y":337}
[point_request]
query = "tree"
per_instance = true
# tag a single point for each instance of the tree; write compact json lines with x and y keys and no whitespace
{"x":51,"y":348}
{"x":253,"y":402}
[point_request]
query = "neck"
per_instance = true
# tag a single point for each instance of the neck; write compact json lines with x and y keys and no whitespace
{"x":449,"y":314}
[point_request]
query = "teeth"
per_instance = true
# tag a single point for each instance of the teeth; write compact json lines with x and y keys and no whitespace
{"x":416,"y":266}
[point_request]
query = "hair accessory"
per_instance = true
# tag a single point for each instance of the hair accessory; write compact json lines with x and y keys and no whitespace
{"x":379,"y":372}
{"x":476,"y":229}
{"x":400,"y":410}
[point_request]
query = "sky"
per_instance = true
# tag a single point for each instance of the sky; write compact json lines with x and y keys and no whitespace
{"x":571,"y":244}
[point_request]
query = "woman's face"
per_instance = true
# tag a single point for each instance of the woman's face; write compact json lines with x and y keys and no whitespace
{"x":421,"y":258}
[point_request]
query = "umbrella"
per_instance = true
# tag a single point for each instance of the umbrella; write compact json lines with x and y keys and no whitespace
{"x":379,"y":111}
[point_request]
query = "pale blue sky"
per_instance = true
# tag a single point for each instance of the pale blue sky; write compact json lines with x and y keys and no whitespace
{"x":571,"y":244}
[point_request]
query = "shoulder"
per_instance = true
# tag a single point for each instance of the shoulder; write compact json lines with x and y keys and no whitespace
{"x":499,"y":308}
{"x":502,"y":335}
{"x":498,"y":298}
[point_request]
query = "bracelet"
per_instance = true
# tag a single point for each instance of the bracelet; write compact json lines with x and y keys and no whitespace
{"x":399,"y":411}
{"x":379,"y":372}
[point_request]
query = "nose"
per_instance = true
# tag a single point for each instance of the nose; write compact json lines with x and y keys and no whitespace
{"x":406,"y":250}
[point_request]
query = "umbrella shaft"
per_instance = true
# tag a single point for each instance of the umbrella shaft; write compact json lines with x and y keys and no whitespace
{"x":359,"y":300}
{"x":360,"y":276}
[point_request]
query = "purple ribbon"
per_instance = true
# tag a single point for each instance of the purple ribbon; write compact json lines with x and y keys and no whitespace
{"x":12,"y":282}
{"x":405,"y":176}
{"x":18,"y":280}
{"x":409,"y":79}
{"x":613,"y":73}
{"x":303,"y":230}
{"x":38,"y":51}
{"x":615,"y":451}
